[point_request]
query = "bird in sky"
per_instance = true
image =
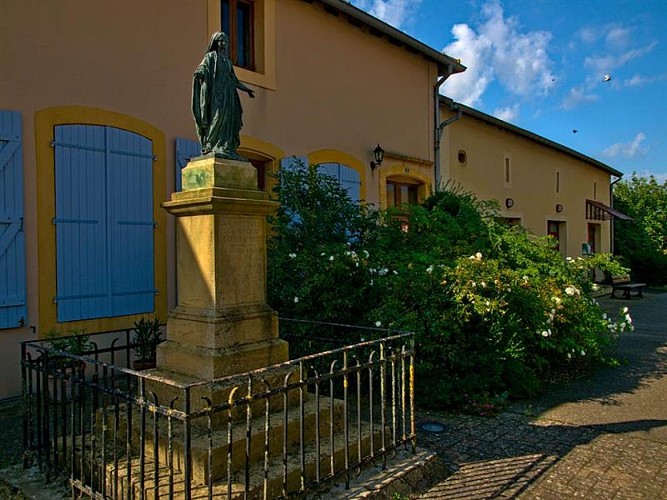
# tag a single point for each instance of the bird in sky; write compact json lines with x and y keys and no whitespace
{"x":606,"y":78}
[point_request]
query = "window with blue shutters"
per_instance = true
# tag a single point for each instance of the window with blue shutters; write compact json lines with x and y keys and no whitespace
{"x":104,"y":222}
{"x":12,"y":244}
{"x":346,"y":176}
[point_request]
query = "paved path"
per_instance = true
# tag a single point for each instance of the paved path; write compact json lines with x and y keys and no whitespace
{"x":600,"y":438}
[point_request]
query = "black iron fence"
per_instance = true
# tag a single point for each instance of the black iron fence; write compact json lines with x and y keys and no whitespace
{"x":270,"y":433}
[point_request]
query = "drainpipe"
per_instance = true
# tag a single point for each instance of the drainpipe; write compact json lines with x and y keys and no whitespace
{"x":611,"y":222}
{"x":438,"y":128}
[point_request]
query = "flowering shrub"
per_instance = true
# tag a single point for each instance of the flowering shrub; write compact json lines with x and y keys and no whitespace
{"x":495,"y":310}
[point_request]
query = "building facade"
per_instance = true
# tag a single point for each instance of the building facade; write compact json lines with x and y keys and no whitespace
{"x":544,"y":186}
{"x":95,"y":126}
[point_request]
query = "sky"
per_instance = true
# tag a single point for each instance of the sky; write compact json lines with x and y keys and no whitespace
{"x":588,"y":74}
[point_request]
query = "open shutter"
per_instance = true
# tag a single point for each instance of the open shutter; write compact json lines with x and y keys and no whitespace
{"x":81,"y":230}
{"x":131,"y":224}
{"x":185,"y":150}
{"x":12,"y":243}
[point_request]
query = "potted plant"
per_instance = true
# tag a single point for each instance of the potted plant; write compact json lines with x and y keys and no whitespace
{"x":62,"y":368}
{"x":147,"y":335}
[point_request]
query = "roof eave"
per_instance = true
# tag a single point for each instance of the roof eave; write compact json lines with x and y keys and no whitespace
{"x":446,"y":65}
{"x":455,"y":106}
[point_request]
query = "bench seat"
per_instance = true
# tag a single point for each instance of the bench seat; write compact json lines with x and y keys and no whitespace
{"x":627,"y":288}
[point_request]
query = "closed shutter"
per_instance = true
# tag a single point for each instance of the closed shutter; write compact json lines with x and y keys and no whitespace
{"x":186,"y":149}
{"x":104,"y":222}
{"x":347,"y":177}
{"x":293,"y":162}
{"x":130,"y":189}
{"x":12,"y":243}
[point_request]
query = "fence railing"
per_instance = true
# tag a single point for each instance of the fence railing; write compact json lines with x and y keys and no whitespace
{"x":270,"y":433}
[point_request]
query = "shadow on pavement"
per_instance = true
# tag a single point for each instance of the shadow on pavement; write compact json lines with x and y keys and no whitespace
{"x":592,"y":433}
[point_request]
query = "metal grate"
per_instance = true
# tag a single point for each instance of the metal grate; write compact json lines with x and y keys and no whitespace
{"x":269,"y":433}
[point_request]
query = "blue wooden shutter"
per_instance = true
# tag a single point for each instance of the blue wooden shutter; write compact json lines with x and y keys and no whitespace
{"x":347,"y":177}
{"x":293,"y":161}
{"x":81,"y":229}
{"x":185,"y":150}
{"x":12,"y":243}
{"x":350,"y":179}
{"x":104,"y":222}
{"x":131,"y":224}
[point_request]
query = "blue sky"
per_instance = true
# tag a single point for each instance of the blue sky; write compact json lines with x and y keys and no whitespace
{"x":597,"y":67}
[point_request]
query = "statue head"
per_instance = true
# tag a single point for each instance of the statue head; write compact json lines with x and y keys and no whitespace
{"x":218,"y":40}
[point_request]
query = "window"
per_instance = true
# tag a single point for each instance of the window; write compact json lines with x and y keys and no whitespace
{"x":462,"y":157}
{"x":400,"y":193}
{"x":507,"y":174}
{"x":261,"y":173}
{"x":238,"y":22}
{"x":553,"y":230}
{"x":12,"y":241}
{"x":594,"y":237}
{"x":557,"y":182}
{"x":104,"y":222}
{"x":347,"y":177}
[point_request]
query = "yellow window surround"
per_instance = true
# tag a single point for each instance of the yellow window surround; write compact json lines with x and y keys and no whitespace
{"x":405,"y":169}
{"x":335,"y":156}
{"x":45,"y":121}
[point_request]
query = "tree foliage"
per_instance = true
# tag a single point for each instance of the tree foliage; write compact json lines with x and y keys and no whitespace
{"x":642,"y":242}
{"x":495,"y":310}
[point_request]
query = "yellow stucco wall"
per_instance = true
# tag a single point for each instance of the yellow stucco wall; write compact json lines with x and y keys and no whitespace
{"x":532,"y":184}
{"x":325,"y":89}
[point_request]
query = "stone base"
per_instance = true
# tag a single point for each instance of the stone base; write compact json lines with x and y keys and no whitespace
{"x":210,"y":171}
{"x":223,"y":328}
{"x":207,"y":363}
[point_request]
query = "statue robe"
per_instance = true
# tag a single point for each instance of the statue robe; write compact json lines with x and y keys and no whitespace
{"x":216,"y":106}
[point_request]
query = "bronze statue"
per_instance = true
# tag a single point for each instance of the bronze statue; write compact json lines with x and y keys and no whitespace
{"x":216,"y":105}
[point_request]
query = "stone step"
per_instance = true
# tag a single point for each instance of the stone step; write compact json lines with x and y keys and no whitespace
{"x":276,"y":480}
{"x":218,"y":438}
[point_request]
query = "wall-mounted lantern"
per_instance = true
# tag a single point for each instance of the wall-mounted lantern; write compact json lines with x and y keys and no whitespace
{"x":559,"y":208}
{"x":378,"y":154}
{"x":509,"y":202}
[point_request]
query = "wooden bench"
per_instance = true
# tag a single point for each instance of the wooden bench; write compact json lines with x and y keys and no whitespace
{"x":623,"y":283}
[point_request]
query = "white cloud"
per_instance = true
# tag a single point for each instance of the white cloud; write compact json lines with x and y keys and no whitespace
{"x":630,"y":149}
{"x":618,"y":37}
{"x":605,"y":63}
{"x":614,"y":46}
{"x":578,"y":95}
{"x":393,"y":12}
{"x":497,"y":50}
{"x":638,"y":80}
{"x":507,"y":114}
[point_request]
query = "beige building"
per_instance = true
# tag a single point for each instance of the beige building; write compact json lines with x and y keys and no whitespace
{"x":546,"y":187}
{"x":95,"y":126}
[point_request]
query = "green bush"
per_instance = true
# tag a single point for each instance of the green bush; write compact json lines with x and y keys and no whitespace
{"x":495,"y":311}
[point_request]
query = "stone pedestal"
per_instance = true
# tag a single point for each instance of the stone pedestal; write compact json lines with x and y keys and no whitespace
{"x":222,"y":325}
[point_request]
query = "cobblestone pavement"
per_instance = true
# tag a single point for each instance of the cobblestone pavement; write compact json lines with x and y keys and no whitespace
{"x":604,"y":437}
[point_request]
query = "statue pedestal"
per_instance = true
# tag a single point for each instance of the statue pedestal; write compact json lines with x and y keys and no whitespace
{"x":222,"y":325}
